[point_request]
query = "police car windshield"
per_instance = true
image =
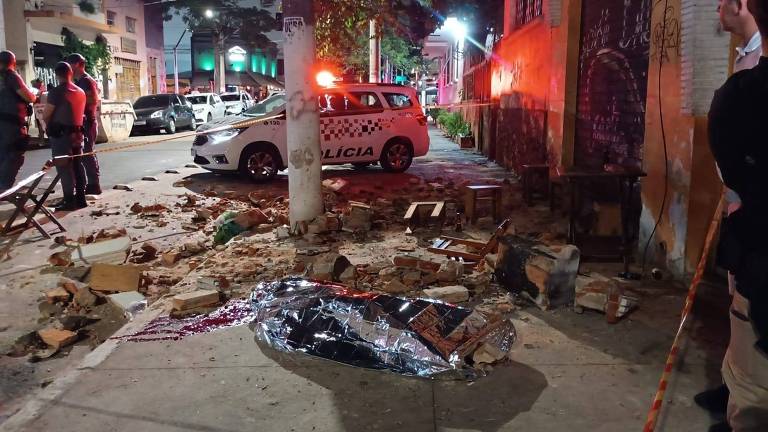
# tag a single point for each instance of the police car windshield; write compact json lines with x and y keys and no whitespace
{"x":198,"y":100}
{"x":152,"y":101}
{"x":271,"y":104}
{"x":230,"y":97}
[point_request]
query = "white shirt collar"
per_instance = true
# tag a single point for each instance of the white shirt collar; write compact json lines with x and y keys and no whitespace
{"x":752,"y":45}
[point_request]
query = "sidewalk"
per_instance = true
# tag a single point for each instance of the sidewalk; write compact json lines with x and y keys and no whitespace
{"x":568,"y":372}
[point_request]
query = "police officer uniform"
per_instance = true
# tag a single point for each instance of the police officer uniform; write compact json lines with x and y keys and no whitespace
{"x":13,"y":126}
{"x":90,"y":126}
{"x":65,"y":131}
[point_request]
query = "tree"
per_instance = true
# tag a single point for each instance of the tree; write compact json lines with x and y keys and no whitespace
{"x":97,"y":55}
{"x":225,"y":19}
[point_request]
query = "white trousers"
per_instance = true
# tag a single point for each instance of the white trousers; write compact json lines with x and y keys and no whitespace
{"x":745,"y":371}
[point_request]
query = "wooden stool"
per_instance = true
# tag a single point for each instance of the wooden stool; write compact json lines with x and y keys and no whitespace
{"x":476,"y":193}
{"x":436,"y":215}
{"x":529,"y":174}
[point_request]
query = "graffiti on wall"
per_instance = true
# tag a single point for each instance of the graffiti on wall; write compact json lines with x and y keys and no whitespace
{"x":665,"y":44}
{"x":613,"y":69}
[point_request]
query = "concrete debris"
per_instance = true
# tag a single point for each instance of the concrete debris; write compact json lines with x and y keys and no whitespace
{"x":123,"y":187}
{"x":172,"y":171}
{"x":112,"y":250}
{"x":85,"y":298}
{"x":488,"y":354}
{"x":358,"y":218}
{"x":394,"y":286}
{"x":478,"y":282}
{"x":192,"y":247}
{"x":389,"y":273}
{"x":450,"y":271}
{"x":322,"y":224}
{"x":114,"y":278}
{"x":70,"y":285}
{"x":211,"y":283}
{"x":544,"y":274}
{"x":283,"y":232}
{"x":61,"y":259}
{"x":56,"y":338}
{"x":412,"y":278}
{"x":129,"y":302}
{"x":149,"y":178}
{"x":605,"y":295}
{"x":335,"y":184}
{"x":195,"y":299}
{"x":57,"y":295}
{"x":251,"y":218}
{"x":170,"y":258}
{"x":147,"y":252}
{"x":329,"y":267}
{"x":448,"y":294}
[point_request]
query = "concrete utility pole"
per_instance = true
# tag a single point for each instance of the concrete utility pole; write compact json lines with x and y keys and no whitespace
{"x":303,"y":118}
{"x":176,"y":62}
{"x":374,"y":75}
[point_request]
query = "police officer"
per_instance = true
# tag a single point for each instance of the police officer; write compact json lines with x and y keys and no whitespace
{"x":14,"y":98}
{"x":64,"y":113}
{"x":91,"y":124}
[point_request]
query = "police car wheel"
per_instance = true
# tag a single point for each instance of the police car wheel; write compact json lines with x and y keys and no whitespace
{"x":397,"y":156}
{"x":171,"y":128}
{"x":259,"y":164}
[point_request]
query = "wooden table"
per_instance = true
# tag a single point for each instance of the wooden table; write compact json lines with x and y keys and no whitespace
{"x":627,"y":179}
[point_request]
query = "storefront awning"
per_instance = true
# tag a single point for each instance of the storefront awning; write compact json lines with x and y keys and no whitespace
{"x":240,"y":79}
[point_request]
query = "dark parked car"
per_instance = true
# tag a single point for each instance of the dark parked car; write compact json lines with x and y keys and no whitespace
{"x":163,"y":111}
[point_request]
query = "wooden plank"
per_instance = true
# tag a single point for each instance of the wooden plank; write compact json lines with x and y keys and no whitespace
{"x":455,"y":253}
{"x":438,"y":209}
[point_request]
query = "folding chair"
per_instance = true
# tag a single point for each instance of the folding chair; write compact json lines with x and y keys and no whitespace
{"x":24,"y":192}
{"x":441,"y":247}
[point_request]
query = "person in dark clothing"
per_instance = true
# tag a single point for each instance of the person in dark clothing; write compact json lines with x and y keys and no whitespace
{"x":91,"y":123}
{"x":737,"y":138}
{"x":63,"y":114}
{"x":14,"y":98}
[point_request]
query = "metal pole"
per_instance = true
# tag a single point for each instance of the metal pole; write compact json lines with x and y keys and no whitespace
{"x":303,"y":118}
{"x":176,"y":62}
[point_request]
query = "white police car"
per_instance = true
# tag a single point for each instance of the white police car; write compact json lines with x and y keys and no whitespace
{"x":361,"y":124}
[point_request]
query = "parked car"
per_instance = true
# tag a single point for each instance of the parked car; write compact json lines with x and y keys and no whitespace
{"x":361,"y":124}
{"x":237,"y":102}
{"x":163,"y":112}
{"x":207,"y":107}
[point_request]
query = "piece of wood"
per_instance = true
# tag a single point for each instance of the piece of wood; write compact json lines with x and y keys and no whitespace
{"x":114,"y":278}
{"x":56,"y":338}
{"x":195,"y":299}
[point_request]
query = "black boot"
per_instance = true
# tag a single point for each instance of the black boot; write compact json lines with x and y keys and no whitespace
{"x":80,"y":201}
{"x":93,"y":189}
{"x":714,"y":400}
{"x":67,"y":204}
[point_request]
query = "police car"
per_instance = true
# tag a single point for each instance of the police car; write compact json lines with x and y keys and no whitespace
{"x":361,"y":124}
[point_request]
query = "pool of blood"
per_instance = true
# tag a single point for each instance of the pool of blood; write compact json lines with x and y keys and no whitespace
{"x":232,"y":314}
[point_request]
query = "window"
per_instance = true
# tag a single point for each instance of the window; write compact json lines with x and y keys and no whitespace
{"x":398,"y":100}
{"x":130,"y":25}
{"x":363,"y":101}
{"x":332,"y":103}
{"x":526,"y":11}
{"x":111,"y":18}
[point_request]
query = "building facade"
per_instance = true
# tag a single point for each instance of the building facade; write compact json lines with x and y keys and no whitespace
{"x":577,"y":83}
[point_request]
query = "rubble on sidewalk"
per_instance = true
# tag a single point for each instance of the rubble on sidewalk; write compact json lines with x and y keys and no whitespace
{"x":603,"y":294}
{"x":195,"y":299}
{"x":56,"y":338}
{"x":449,"y":294}
{"x":114,"y":278}
{"x":422,"y":338}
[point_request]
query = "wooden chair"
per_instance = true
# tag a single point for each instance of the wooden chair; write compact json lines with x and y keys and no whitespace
{"x":474,"y":194}
{"x":441,"y":246}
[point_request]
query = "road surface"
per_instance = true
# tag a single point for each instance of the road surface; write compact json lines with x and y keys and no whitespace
{"x":125,"y":166}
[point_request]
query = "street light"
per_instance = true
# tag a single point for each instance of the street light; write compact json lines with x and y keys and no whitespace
{"x":456,"y":27}
{"x":208,"y":13}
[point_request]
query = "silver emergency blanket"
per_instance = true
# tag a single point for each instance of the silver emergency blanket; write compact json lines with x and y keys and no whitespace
{"x":418,"y":337}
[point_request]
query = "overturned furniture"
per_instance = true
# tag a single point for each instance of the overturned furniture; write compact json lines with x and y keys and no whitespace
{"x":442,"y":246}
{"x":544,"y":274}
{"x":24,"y":193}
{"x":376,"y":331}
{"x":414,"y":213}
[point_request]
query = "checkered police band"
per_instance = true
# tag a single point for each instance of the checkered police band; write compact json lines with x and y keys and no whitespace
{"x":338,"y":128}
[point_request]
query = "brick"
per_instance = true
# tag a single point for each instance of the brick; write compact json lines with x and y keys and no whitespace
{"x":150,"y":247}
{"x":114,"y":278}
{"x":170,"y":258}
{"x":56,"y":338}
{"x":195,"y":299}
{"x":450,"y":271}
{"x":449,"y":294}
{"x":85,"y":298}
{"x":58,"y":294}
{"x":394,"y":286}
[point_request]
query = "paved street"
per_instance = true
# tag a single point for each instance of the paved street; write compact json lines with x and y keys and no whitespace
{"x":127,"y":165}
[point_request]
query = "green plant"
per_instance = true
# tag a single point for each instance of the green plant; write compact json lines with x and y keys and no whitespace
{"x":86,"y":7}
{"x":454,"y":124}
{"x":97,"y":55}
